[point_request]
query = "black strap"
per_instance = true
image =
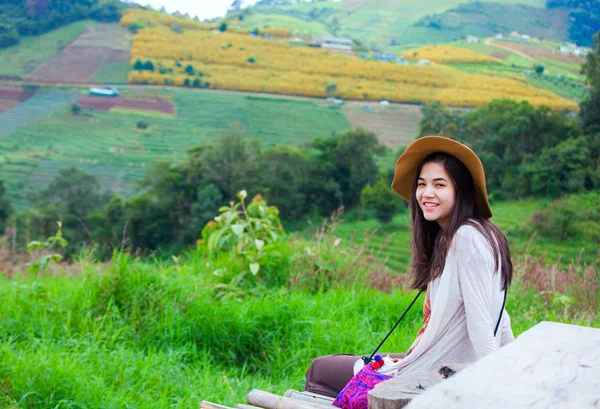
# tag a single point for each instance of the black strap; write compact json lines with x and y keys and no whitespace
{"x":367,"y":359}
{"x":501,"y":312}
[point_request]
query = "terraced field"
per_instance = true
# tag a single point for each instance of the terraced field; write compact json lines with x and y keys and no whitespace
{"x":108,"y":144}
{"x":395,"y":124}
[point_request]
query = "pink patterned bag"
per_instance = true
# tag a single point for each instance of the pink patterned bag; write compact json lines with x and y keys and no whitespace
{"x":354,"y":394}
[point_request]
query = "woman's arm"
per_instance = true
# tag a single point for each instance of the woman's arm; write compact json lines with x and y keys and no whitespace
{"x":475,"y":279}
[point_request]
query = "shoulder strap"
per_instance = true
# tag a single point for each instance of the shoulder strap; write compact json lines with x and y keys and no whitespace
{"x":501,"y":312}
{"x":367,"y":359}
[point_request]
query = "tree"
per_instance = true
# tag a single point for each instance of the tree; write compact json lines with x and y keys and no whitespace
{"x":589,"y":109}
{"x":223,"y":27}
{"x":148,"y":66}
{"x":138,"y":65}
{"x":286,"y":180}
{"x":5,"y":207}
{"x":591,"y":67}
{"x":189,"y":69}
{"x":36,"y":8}
{"x":381,"y":200}
{"x":539,"y":69}
{"x":342,"y":167}
{"x":437,"y":119}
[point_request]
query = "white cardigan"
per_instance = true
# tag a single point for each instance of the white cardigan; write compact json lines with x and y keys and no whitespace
{"x":465,"y":306}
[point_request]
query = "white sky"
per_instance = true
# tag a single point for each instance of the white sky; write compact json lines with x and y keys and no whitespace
{"x":201,"y":8}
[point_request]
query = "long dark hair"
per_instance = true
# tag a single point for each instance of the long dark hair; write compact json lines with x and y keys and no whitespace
{"x":430,"y":243}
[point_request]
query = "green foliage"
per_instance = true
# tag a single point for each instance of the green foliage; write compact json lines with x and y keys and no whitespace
{"x":589,"y":112}
{"x":136,"y":26}
{"x":138,"y":65}
{"x":437,"y":120}
{"x":148,"y":65}
{"x":343,"y":166}
{"x":539,"y":69}
{"x":249,"y":233}
{"x":223,"y":27}
{"x":571,"y":217}
{"x":75,"y":109}
{"x":557,"y":160}
{"x":591,"y":66}
{"x":49,"y":245}
{"x":189,"y":69}
{"x":567,"y":167}
{"x":381,"y":199}
{"x":286,"y":180}
{"x":35,"y":17}
{"x":584,"y":18}
{"x":71,"y":197}
{"x":5,"y":207}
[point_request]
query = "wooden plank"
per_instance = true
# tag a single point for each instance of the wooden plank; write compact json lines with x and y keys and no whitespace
{"x":551,"y":365}
{"x":308,"y":397}
{"x":398,"y":392}
{"x":209,"y":405}
{"x":271,"y":401}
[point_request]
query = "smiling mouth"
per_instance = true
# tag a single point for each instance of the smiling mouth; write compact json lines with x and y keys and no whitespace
{"x":430,"y":205}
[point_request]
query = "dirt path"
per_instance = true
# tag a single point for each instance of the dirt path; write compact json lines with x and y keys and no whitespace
{"x":489,"y":41}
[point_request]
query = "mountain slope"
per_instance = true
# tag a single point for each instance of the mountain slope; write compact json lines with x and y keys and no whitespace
{"x":379,"y":23}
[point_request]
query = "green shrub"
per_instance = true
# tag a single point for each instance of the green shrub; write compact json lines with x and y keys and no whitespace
{"x":381,"y":200}
{"x":572,"y":217}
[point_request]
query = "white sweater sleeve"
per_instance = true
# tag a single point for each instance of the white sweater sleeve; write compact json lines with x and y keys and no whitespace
{"x":476,"y":286}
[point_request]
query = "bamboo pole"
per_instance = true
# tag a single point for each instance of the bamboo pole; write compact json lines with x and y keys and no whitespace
{"x":308,"y":397}
{"x":268,"y":400}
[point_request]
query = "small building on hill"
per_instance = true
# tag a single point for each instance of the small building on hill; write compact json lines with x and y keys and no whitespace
{"x":333,"y":43}
{"x":107,"y":91}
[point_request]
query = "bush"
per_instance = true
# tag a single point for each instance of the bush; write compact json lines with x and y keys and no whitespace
{"x":189,"y":69}
{"x":142,"y":125}
{"x":572,"y":217}
{"x":251,"y":60}
{"x":381,"y":200}
{"x":75,"y":109}
{"x":136,"y":26}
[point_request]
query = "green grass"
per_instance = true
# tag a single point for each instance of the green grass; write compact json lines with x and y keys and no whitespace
{"x":149,"y":334}
{"x":110,"y":140}
{"x":32,"y":51}
{"x":112,"y":73}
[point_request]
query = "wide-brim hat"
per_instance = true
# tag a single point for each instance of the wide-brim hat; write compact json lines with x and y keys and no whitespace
{"x":406,"y":167}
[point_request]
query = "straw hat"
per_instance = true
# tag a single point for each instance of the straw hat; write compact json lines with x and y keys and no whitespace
{"x":406,"y":166}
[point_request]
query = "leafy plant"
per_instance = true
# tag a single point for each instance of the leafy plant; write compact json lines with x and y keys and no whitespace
{"x":249,"y":232}
{"x":49,"y":245}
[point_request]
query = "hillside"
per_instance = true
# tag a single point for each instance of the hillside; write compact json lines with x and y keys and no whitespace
{"x":380,"y":23}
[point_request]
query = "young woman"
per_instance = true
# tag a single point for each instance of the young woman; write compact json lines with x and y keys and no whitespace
{"x":459,"y":258}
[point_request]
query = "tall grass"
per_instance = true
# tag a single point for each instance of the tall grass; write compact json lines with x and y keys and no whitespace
{"x":133,"y":333}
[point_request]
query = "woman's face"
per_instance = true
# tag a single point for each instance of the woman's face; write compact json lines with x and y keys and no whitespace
{"x":435,"y":193}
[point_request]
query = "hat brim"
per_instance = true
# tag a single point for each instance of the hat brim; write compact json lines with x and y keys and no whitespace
{"x":406,"y":167}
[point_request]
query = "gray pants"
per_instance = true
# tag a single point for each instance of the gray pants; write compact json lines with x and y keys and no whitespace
{"x":329,"y":374}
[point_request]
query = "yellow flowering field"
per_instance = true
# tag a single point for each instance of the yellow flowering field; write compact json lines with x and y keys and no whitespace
{"x":447,"y":54}
{"x":237,"y":61}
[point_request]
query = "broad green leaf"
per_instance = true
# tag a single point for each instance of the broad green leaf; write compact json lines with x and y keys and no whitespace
{"x":238,"y":229}
{"x":259,"y":244}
